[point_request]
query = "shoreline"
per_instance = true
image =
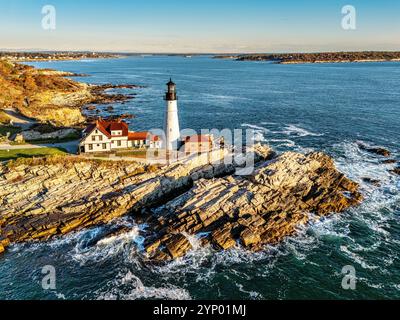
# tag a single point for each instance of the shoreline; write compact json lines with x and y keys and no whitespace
{"x":200,"y":197}
{"x":23,"y":56}
{"x":334,"y":61}
{"x":323,"y":57}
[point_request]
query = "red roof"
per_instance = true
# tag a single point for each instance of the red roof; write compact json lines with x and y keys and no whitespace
{"x":138,"y":135}
{"x":114,"y":126}
{"x":106,"y":127}
{"x":198,"y":138}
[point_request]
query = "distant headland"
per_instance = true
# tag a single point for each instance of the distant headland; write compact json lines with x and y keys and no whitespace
{"x":322,"y":57}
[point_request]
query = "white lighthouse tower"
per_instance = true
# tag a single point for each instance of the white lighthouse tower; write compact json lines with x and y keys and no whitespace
{"x":171,"y":126}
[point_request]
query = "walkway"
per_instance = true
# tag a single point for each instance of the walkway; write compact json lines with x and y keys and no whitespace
{"x":18,"y":119}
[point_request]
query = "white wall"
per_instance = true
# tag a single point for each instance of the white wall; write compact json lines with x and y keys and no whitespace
{"x":96,"y":139}
{"x":123,"y":140}
{"x":171,"y":126}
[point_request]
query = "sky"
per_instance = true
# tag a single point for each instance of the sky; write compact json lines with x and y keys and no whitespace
{"x":206,"y":26}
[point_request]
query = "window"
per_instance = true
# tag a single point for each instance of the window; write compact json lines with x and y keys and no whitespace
{"x":101,"y":138}
{"x":104,"y":146}
{"x":90,"y":147}
{"x":97,"y":131}
{"x":93,"y":138}
{"x":98,"y":145}
{"x":119,"y":143}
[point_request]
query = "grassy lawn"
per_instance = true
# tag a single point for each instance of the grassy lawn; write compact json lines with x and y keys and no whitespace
{"x":30,"y":153}
{"x":11,"y":129}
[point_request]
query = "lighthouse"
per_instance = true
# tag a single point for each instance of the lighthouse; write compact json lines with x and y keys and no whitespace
{"x":171,"y":125}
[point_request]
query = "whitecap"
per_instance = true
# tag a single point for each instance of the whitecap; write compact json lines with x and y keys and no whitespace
{"x":357,"y":259}
{"x":293,"y":130}
{"x":127,"y":286}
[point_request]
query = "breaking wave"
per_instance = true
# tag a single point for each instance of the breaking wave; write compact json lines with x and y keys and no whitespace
{"x":128,"y":286}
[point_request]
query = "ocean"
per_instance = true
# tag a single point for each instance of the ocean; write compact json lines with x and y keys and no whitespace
{"x":324,"y":107}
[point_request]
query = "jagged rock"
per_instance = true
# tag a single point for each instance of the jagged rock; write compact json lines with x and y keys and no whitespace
{"x":396,"y":171}
{"x":111,"y":234}
{"x":178,"y":245}
{"x":250,"y":237}
{"x":224,"y":238}
{"x":261,"y":208}
{"x":4,"y":242}
{"x":376,"y":150}
{"x":374,"y":182}
{"x":389,"y":161}
{"x":43,"y":198}
{"x":19,"y":138}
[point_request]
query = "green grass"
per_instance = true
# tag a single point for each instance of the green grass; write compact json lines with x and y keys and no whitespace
{"x":11,"y":129}
{"x":30,"y":153}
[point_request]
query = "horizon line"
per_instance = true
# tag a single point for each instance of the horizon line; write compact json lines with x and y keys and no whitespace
{"x":27,"y":50}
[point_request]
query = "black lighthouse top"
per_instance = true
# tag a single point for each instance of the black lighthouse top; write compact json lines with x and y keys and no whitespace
{"x":170,"y":95}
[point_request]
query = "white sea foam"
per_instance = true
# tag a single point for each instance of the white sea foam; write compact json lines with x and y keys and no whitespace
{"x":375,"y":212}
{"x":293,"y":130}
{"x":253,"y":295}
{"x":357,"y":258}
{"x":253,"y":126}
{"x":264,"y":134}
{"x":106,"y":248}
{"x":127,"y":286}
{"x":283,"y":142}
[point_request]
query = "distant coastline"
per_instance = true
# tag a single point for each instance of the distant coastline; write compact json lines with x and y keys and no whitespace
{"x":278,"y":58}
{"x":323,"y":57}
{"x":24,"y":56}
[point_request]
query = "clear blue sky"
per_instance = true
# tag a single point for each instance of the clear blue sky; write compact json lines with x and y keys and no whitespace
{"x":200,"y":26}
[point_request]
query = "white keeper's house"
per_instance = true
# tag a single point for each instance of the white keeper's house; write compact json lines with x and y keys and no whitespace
{"x":103,"y":136}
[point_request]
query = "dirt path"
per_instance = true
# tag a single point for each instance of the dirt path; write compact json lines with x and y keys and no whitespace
{"x":18,"y":119}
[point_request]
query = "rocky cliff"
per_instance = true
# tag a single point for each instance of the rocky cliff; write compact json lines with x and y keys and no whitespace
{"x":47,"y":96}
{"x":254,"y":210}
{"x":43,"y":198}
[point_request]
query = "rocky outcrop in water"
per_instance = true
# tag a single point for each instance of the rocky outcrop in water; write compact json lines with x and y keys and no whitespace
{"x":396,"y":170}
{"x":375,"y":150}
{"x":254,"y":210}
{"x":41,"y":198}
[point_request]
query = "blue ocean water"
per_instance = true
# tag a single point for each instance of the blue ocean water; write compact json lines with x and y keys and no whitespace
{"x":327,"y":107}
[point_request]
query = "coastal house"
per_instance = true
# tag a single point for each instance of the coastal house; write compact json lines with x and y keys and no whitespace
{"x":198,"y":144}
{"x":104,"y":136}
